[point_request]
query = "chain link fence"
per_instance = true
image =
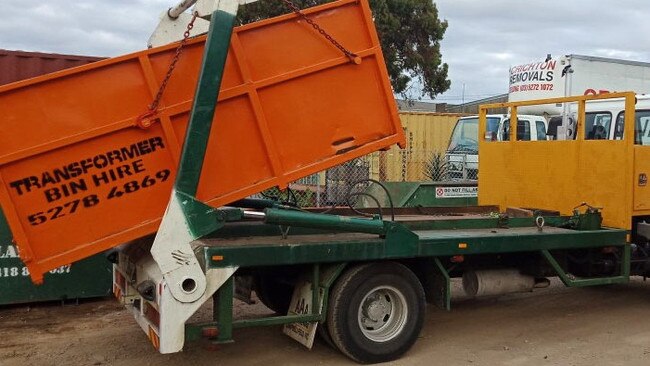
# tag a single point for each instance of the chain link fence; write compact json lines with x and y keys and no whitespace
{"x":345,"y":184}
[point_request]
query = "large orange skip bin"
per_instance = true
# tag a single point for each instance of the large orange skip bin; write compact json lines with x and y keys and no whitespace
{"x":78,"y":176}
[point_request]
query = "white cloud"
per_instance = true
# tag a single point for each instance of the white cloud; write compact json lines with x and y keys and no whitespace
{"x":501,"y":56}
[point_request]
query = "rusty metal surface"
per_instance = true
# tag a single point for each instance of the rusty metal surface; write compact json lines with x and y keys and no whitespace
{"x":19,"y":65}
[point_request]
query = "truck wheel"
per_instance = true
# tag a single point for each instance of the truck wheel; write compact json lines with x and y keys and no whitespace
{"x":324,"y":334}
{"x":274,"y":294}
{"x":376,"y":312}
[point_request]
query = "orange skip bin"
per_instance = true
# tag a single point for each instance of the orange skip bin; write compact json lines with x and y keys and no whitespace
{"x":78,"y":176}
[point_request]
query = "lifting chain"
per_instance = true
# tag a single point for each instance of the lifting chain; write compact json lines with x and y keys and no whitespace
{"x":144,"y":120}
{"x":352,"y":56}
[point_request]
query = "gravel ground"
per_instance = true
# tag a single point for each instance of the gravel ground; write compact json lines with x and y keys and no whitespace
{"x":554,"y":326}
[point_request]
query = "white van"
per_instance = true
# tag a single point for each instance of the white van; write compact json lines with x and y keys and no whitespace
{"x":604,"y":119}
{"x":462,"y":152}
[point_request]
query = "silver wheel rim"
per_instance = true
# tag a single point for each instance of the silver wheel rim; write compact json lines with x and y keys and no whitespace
{"x":382,"y":314}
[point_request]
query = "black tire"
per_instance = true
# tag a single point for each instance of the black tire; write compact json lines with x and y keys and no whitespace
{"x":324,"y":334}
{"x":274,"y":294}
{"x":376,"y":312}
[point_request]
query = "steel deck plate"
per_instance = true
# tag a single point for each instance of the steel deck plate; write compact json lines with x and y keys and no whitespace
{"x":341,"y":247}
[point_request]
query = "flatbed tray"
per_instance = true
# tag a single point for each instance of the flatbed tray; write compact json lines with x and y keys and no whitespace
{"x":344,"y":246}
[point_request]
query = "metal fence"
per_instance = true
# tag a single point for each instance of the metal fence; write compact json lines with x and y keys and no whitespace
{"x":424,"y":160}
{"x":346,"y":182}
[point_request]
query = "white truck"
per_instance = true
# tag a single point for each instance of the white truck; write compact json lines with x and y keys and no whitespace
{"x":571,"y":75}
{"x":561,"y":76}
{"x":604,"y":119}
{"x":462,"y":152}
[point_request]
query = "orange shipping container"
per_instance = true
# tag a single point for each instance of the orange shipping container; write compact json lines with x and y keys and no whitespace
{"x":78,"y":176}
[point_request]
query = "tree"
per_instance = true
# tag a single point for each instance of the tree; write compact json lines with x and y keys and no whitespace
{"x":410,"y":34}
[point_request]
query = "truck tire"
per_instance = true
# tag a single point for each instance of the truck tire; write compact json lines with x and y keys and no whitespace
{"x":324,"y":335}
{"x":274,"y":294}
{"x":376,"y":312}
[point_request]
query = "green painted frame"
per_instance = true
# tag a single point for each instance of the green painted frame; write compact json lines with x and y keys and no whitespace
{"x":322,"y":277}
{"x":202,"y":218}
{"x":400,"y":242}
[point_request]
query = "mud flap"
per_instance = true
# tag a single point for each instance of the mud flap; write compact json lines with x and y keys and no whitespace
{"x":301,"y":304}
{"x":303,"y":298}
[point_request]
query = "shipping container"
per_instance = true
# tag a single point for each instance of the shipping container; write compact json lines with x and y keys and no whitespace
{"x":426,"y":134}
{"x":91,"y":277}
{"x":20,"y":65}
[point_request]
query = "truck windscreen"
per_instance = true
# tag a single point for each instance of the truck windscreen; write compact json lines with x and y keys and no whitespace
{"x":465,"y":135}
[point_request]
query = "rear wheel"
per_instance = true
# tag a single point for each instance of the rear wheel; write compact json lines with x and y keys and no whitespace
{"x":376,"y":312}
{"x":273,"y":293}
{"x":324,"y":334}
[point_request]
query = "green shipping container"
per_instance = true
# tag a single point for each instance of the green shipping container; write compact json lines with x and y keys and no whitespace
{"x":91,"y":277}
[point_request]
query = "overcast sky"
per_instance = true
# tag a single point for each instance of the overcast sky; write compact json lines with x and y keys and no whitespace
{"x":483,"y":40}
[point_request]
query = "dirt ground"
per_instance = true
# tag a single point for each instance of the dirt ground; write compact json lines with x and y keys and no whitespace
{"x":554,"y":326}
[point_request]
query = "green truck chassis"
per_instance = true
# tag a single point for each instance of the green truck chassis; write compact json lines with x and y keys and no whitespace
{"x":361,"y":283}
{"x":292,"y":247}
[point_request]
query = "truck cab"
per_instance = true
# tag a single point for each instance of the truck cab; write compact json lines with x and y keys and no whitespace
{"x":604,"y":120}
{"x":462,"y":152}
{"x":529,"y":128}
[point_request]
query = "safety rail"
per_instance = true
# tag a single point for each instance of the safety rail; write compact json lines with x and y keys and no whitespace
{"x":560,"y":174}
{"x":581,"y":100}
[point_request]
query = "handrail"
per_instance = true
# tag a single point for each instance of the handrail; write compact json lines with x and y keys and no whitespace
{"x":630,"y":101}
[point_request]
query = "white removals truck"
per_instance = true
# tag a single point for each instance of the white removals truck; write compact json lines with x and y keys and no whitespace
{"x":561,"y":76}
{"x":574,"y":75}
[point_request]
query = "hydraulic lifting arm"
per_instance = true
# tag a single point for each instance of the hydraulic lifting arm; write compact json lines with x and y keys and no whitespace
{"x":186,"y":218}
{"x":171,"y":27}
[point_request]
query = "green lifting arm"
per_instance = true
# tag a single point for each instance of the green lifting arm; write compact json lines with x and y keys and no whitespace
{"x":186,"y":218}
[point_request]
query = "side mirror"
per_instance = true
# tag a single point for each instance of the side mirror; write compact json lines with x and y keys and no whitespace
{"x":490,"y":136}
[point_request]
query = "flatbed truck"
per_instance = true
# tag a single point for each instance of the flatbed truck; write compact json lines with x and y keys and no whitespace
{"x":361,"y":283}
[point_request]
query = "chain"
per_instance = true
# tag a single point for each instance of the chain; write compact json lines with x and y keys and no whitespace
{"x":143,"y":120}
{"x":153,"y":107}
{"x":352,"y":56}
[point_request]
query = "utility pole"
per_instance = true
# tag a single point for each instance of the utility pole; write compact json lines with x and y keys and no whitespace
{"x":463,"y":100}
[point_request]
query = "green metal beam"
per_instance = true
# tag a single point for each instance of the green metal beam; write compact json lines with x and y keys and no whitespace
{"x":249,"y":229}
{"x":315,"y":290}
{"x":332,"y":248}
{"x":322,"y":221}
{"x":481,"y":223}
{"x":276,"y":320}
{"x":570,"y":281}
{"x":194,"y":332}
{"x":626,"y":262}
{"x":205,"y":100}
{"x":446,"y":285}
{"x":222,"y":310}
{"x":201,"y":218}
{"x":328,"y":275}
